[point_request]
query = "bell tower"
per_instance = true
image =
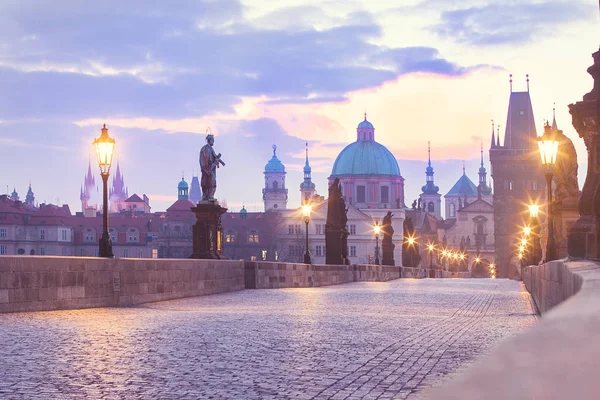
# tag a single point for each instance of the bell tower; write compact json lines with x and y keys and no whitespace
{"x":275,"y":194}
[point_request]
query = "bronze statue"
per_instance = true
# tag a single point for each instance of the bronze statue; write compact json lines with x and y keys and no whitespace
{"x":387,"y":243}
{"x":209,"y":162}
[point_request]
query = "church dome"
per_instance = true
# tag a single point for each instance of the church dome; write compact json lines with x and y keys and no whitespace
{"x":365,"y":124}
{"x":365,"y":157}
{"x":274,"y":164}
{"x":182,"y":185}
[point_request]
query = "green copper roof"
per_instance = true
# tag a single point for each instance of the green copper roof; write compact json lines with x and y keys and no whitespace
{"x":365,"y":157}
{"x":464,"y":186}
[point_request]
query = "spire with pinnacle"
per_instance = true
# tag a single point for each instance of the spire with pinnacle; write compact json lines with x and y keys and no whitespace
{"x":483,"y":188}
{"x":429,"y":187}
{"x":493,"y":144}
{"x":554,"y":126}
{"x":307,"y":188}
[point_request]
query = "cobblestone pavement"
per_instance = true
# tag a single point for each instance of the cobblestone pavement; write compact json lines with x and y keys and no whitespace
{"x":376,"y":340}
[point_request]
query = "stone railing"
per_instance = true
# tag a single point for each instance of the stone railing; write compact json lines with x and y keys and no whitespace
{"x":36,"y":283}
{"x":449,"y":274}
{"x":556,"y":359}
{"x":273,"y":275}
{"x":552,"y":283}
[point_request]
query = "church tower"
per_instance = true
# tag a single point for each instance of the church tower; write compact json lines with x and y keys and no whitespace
{"x":14,"y":196}
{"x":118,"y":193}
{"x":89,"y":184}
{"x":195,"y":190}
{"x":182,"y":190}
{"x":275,"y":195}
{"x":430,"y":197}
{"x":483,"y":190}
{"x":307,"y":188}
{"x":30,"y":198}
{"x":518,"y":178}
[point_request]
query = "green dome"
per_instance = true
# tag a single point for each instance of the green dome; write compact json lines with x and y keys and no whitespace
{"x":274,"y":165}
{"x":182,"y":185}
{"x":365,"y":157}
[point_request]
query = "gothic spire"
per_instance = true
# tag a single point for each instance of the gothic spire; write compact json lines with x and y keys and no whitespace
{"x":493,"y":144}
{"x":429,"y":187}
{"x":554,"y":126}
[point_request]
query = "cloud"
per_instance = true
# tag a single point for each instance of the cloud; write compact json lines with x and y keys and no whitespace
{"x":183,"y":59}
{"x":510,"y":23}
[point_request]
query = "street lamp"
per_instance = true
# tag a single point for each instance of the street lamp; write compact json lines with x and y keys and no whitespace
{"x":430,"y":248}
{"x":105,"y":146}
{"x":306,"y":210}
{"x":534,"y":210}
{"x":377,"y":231}
{"x":548,"y":146}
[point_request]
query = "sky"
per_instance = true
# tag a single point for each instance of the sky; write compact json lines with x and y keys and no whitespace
{"x":281,"y":72}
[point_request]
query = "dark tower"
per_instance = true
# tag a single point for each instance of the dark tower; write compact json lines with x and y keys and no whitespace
{"x":518,"y":178}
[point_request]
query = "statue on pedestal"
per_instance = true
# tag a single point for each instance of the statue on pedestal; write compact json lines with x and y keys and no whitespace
{"x":387,"y":243}
{"x":208,"y":231}
{"x":209,"y":162}
{"x":565,"y":171}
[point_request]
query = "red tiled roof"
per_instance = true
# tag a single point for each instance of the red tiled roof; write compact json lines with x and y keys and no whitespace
{"x":134,"y":198}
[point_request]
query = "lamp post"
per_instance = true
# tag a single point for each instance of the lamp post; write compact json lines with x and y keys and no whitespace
{"x":548,"y":150}
{"x":377,"y":231}
{"x":533,"y":231}
{"x":430,"y":248}
{"x":105,"y":146}
{"x":306,"y":210}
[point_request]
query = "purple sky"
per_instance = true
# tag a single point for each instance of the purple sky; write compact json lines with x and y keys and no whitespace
{"x":273,"y":72}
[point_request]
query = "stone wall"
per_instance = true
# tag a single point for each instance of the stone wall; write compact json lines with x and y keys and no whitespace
{"x":272,"y":275}
{"x":556,"y":359}
{"x":37,"y":283}
{"x":552,"y":283}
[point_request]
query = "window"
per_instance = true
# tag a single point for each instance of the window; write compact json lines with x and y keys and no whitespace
{"x":230,"y":237}
{"x":361,"y":194}
{"x":511,"y":185}
{"x":96,"y":252}
{"x":253,"y":237}
{"x":154,"y":253}
{"x":63,"y":235}
{"x":352,"y":251}
{"x":318,"y":250}
{"x":263,"y":254}
{"x":82,"y":252}
{"x":125,"y":252}
{"x":132,"y":235}
{"x":42,"y":251}
{"x":113,"y":235}
{"x":276,"y":255}
{"x":318,"y":228}
{"x":140,"y":253}
{"x":291,"y":229}
{"x":252,"y":258}
{"x":63,"y":251}
{"x":385,"y":194}
{"x":297,"y":229}
{"x":42,"y":234}
{"x":352,"y":229}
{"x":3,"y":249}
{"x":452,"y":210}
{"x":3,"y":232}
{"x":89,"y":235}
{"x":275,"y":185}
{"x":430,"y":207}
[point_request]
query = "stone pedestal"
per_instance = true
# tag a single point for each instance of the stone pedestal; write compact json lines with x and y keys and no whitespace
{"x":333,"y":246}
{"x":208,"y":231}
{"x":565,"y":217}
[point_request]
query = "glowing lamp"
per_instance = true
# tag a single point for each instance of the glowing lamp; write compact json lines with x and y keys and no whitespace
{"x":548,"y":146}
{"x":534,"y":210}
{"x":430,"y":247}
{"x":527,"y":231}
{"x":306,"y":210}
{"x":377,"y":229}
{"x":523,"y":242}
{"x":105,"y":146}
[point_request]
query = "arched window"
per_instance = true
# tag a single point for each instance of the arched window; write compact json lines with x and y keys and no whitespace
{"x":133,"y":235}
{"x":230,"y":236}
{"x":89,"y":235}
{"x":253,"y":236}
{"x":452,"y":210}
{"x":430,"y":207}
{"x":275,"y":185}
